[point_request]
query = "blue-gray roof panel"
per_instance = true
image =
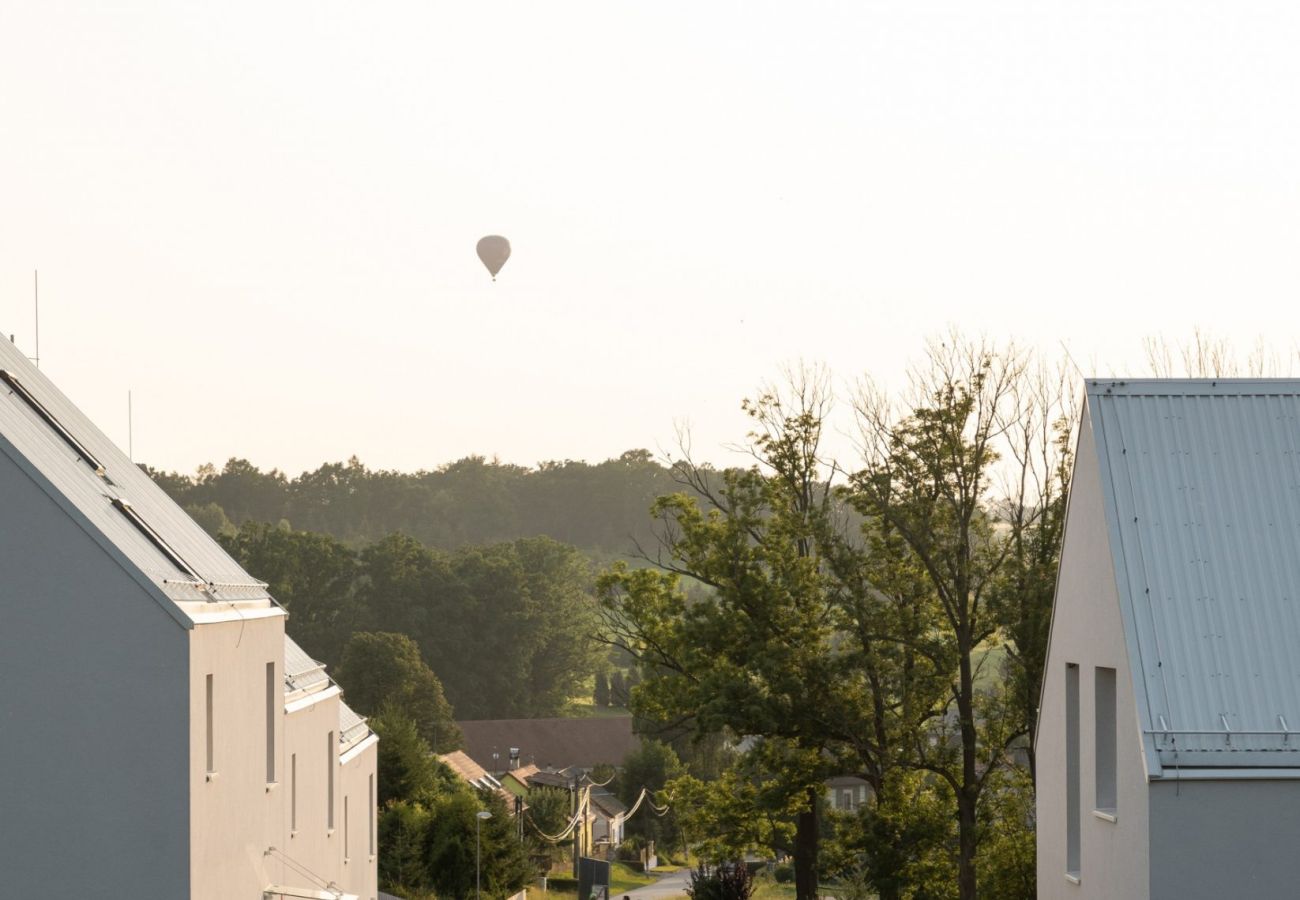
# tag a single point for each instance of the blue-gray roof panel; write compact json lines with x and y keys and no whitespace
{"x":1204,"y":492}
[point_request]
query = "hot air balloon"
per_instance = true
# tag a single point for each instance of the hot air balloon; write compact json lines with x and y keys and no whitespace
{"x":494,"y":250}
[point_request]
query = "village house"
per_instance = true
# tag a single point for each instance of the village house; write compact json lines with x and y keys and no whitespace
{"x":164,"y":739}
{"x":1168,"y":760}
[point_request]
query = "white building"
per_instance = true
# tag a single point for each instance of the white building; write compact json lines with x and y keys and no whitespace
{"x":1168,"y":763}
{"x":162,"y":739}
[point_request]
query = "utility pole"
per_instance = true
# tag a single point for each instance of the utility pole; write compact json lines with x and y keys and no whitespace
{"x":577,"y":832}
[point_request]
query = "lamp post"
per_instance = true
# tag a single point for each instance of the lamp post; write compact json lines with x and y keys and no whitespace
{"x":478,"y":851}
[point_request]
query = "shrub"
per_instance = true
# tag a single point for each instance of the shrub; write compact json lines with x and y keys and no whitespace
{"x":729,"y":881}
{"x":784,"y":874}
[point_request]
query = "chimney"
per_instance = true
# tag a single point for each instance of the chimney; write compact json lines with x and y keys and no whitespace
{"x":514,"y":758}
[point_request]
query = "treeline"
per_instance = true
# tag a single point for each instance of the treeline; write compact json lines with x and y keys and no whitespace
{"x":506,"y":627}
{"x":598,"y":507}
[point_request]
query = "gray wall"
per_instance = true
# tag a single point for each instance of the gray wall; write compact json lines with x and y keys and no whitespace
{"x":93,"y":686}
{"x":1224,"y":839}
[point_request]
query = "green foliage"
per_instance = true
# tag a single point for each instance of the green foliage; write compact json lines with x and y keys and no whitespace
{"x":402,"y":828}
{"x":652,"y":765}
{"x":549,"y":809}
{"x":407,"y":768}
{"x":784,"y":874}
{"x":507,"y":628}
{"x":599,"y":507}
{"x":450,"y":847}
{"x":313,"y":575}
{"x":212,"y":519}
{"x":731,"y":881}
{"x":617,"y":689}
{"x":385,"y":670}
{"x":1007,"y":860}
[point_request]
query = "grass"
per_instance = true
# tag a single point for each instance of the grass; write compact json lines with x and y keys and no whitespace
{"x":623,"y":878}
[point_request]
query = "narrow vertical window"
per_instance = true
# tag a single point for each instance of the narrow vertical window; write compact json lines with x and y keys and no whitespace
{"x":1106,"y":743}
{"x":346,"y":837}
{"x":1072,"y":820}
{"x":293,"y":792}
{"x":272,"y":701}
{"x":370,"y":814}
{"x":211,"y":757}
{"x":329,"y":795}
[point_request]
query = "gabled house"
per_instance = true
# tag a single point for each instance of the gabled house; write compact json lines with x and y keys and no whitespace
{"x":478,"y":778}
{"x":1168,"y":761}
{"x":609,"y":816}
{"x":162,"y":740}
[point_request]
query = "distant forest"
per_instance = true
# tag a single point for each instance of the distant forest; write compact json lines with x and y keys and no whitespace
{"x":601,"y":508}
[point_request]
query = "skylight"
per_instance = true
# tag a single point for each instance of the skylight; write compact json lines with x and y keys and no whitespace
{"x":157,"y":539}
{"x":20,"y":390}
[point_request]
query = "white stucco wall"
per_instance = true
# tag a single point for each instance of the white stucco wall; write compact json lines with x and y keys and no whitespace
{"x":359,"y":782}
{"x":235,"y":816}
{"x":314,"y":844}
{"x":1087,"y":630}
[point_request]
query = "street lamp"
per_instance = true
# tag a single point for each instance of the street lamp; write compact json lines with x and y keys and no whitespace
{"x":478,"y":852}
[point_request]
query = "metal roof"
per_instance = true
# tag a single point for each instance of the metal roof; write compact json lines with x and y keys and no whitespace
{"x":49,"y":440}
{"x":352,"y":728}
{"x":301,"y":672}
{"x":1202,"y":488}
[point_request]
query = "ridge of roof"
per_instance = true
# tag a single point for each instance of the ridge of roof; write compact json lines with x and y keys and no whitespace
{"x":1218,"y":387}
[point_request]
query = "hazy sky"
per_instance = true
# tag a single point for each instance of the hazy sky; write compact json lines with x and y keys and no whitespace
{"x":261,"y":217}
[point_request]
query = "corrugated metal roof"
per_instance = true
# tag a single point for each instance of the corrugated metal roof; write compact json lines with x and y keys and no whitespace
{"x":352,"y":728}
{"x":40,"y":446}
{"x":301,"y":672}
{"x":1202,"y":482}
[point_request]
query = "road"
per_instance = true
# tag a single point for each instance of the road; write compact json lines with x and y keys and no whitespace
{"x":673,"y":884}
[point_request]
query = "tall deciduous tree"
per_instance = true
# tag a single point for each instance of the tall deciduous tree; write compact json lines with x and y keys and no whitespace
{"x":759,"y":653}
{"x":927,"y":484}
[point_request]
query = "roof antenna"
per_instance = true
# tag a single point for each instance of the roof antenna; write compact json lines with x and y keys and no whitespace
{"x":36,"y":297}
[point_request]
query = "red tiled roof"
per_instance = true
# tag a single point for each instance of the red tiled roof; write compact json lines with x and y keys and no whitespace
{"x":551,"y":743}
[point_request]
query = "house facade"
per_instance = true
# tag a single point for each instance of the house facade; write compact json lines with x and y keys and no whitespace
{"x":1167,"y":765}
{"x":154,"y":748}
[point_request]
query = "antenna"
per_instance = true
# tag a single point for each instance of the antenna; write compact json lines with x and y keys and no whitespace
{"x":36,"y":297}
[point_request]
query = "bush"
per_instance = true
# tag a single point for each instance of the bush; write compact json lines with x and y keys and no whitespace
{"x":784,"y":874}
{"x":729,"y":881}
{"x":630,"y":849}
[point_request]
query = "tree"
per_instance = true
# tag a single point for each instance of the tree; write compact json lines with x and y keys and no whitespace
{"x":600,"y":696}
{"x":384,"y":670}
{"x":617,"y":689}
{"x":450,"y":847}
{"x":758,"y":654}
{"x":1040,"y":439}
{"x":925,"y":485}
{"x":408,"y":770}
{"x":312,"y":575}
{"x":651,"y":766}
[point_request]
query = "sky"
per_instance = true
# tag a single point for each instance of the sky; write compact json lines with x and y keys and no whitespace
{"x":260,"y":218}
